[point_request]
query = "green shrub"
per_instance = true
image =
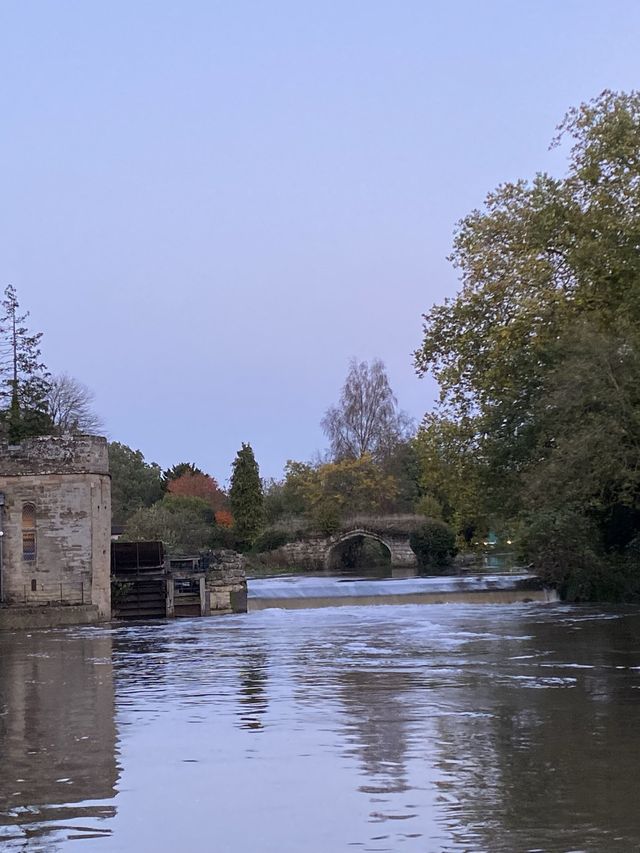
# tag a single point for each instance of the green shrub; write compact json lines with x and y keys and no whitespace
{"x":434,"y":544}
{"x":269,"y":540}
{"x":326,"y":518}
{"x":224,"y":537}
{"x":562,"y":547}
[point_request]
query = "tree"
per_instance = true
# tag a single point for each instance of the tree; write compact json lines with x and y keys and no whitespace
{"x":434,"y":544}
{"x":536,"y":259}
{"x":403,"y":464}
{"x":195,"y":484}
{"x":351,"y":486}
{"x":184,"y":524}
{"x":297,"y":488}
{"x":453,"y":473}
{"x":588,"y":436}
{"x":134,"y":482}
{"x":70,"y":407}
{"x":24,"y":378}
{"x":178,"y":470}
{"x":537,"y":355}
{"x":367,"y":419}
{"x":245,"y":495}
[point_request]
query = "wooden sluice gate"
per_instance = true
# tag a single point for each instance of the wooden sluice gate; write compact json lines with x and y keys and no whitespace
{"x":138,"y":580}
{"x":145,"y":599}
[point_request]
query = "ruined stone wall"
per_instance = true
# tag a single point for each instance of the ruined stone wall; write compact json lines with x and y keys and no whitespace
{"x":402,"y":554}
{"x":226,"y":582}
{"x":306,"y":554}
{"x":67,"y":480}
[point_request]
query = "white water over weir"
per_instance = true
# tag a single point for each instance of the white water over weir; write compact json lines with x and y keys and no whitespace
{"x":304,"y":592}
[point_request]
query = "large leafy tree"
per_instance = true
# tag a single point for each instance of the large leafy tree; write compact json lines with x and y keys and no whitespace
{"x":537,"y":354}
{"x":24,"y":380}
{"x":246,"y":495}
{"x":367,"y":419}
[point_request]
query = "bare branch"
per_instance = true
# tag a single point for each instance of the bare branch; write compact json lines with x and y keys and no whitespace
{"x":70,"y":405}
{"x":367,"y":419}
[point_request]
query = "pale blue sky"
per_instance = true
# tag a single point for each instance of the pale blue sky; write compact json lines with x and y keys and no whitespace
{"x":209,"y":207}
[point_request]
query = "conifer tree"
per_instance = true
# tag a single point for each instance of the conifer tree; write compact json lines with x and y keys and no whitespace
{"x":246,"y":496}
{"x":24,"y":380}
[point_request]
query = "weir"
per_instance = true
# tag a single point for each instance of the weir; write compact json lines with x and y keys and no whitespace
{"x":305,"y":592}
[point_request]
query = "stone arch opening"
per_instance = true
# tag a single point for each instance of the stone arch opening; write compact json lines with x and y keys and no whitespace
{"x":359,"y":553}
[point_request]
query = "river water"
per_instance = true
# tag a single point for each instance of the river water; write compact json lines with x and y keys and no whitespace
{"x":389,"y":728}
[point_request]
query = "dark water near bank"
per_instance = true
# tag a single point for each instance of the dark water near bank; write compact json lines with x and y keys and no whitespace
{"x":415,"y":728}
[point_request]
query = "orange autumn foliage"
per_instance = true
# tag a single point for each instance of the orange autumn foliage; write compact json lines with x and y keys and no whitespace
{"x":224,"y":518}
{"x":203,"y":486}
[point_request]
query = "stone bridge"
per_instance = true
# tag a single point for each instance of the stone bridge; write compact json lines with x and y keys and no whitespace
{"x":316,"y":552}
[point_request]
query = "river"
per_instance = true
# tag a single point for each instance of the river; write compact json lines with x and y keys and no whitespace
{"x":376,"y":728}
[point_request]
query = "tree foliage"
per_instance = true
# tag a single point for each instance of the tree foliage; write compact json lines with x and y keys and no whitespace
{"x":135,"y":483}
{"x":24,"y":379}
{"x":367,"y":419}
{"x":539,"y":256}
{"x":452,"y":473}
{"x":198,"y":485}
{"x":434,"y":544}
{"x":246,"y":496}
{"x":176,"y":471}
{"x":349,"y":487}
{"x":538,"y":356}
{"x":184,"y":524}
{"x":224,"y":519}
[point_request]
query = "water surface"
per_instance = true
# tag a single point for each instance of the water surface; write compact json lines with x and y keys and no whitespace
{"x":389,"y":728}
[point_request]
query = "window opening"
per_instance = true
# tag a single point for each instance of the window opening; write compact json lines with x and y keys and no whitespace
{"x":29,"y":533}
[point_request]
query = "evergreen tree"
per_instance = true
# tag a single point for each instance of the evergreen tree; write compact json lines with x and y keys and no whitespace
{"x":24,"y":380}
{"x":245,"y":495}
{"x":179,"y":470}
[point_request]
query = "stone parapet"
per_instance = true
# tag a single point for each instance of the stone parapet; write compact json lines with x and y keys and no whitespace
{"x":48,"y":454}
{"x":306,"y":554}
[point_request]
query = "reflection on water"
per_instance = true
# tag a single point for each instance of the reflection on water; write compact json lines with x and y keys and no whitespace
{"x":441,"y":728}
{"x":252,"y":689}
{"x":57,"y":739}
{"x":375,"y":722}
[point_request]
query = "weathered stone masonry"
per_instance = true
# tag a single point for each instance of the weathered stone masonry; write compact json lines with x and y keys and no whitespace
{"x":315,"y":552}
{"x":56,"y":522}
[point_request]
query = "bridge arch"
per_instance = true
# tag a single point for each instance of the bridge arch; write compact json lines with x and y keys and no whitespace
{"x":340,"y":539}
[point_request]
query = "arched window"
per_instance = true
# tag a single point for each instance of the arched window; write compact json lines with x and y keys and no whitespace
{"x":29,"y":532}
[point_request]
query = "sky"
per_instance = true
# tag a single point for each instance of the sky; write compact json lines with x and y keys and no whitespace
{"x":210,"y":207}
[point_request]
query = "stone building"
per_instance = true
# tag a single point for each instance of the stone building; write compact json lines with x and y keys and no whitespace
{"x":55,"y":523}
